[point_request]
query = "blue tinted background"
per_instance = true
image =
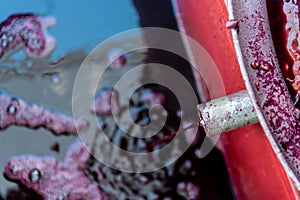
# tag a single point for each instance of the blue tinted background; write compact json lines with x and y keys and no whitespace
{"x":79,"y":23}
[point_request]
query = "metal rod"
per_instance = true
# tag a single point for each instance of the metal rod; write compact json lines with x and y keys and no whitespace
{"x":227,"y":113}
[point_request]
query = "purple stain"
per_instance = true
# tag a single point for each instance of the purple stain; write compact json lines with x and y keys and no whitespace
{"x":152,"y":97}
{"x":15,"y":111}
{"x":53,"y":179}
{"x":29,"y":30}
{"x":105,"y":99}
{"x":190,"y":190}
{"x":77,"y":155}
{"x":117,"y":58}
{"x":256,"y":43}
{"x":291,"y":33}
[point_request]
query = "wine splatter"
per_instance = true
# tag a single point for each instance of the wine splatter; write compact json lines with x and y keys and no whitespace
{"x":15,"y":111}
{"x":53,"y":179}
{"x":117,"y":58}
{"x":151,"y":97}
{"x":291,"y":11}
{"x":28,"y":30}
{"x":105,"y":99}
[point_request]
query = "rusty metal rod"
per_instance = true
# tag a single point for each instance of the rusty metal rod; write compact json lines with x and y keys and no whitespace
{"x":227,"y":113}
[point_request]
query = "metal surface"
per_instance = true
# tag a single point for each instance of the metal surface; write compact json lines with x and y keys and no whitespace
{"x":248,"y":152}
{"x":267,"y":89}
{"x":227,"y":113}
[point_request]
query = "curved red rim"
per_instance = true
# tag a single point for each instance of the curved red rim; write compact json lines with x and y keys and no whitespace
{"x":267,"y":89}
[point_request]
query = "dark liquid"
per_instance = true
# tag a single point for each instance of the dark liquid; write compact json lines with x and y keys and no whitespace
{"x":278,"y":21}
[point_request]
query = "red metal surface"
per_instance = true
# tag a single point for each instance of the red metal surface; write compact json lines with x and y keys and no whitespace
{"x":271,"y":97}
{"x":254,"y":168}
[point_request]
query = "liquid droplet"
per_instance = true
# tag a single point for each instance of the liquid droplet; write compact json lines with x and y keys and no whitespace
{"x":61,"y":197}
{"x":12,"y":110}
{"x":10,"y":38}
{"x":266,"y":68}
{"x":55,"y":79}
{"x":4,"y":43}
{"x":4,"y":36}
{"x":48,"y":120}
{"x":181,"y":186}
{"x":15,"y":170}
{"x":153,"y":196}
{"x":143,"y":179}
{"x":119,"y":178}
{"x":35,"y":176}
{"x":179,"y":113}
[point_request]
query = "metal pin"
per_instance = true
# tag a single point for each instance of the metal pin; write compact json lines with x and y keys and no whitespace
{"x":227,"y":113}
{"x":232,"y":24}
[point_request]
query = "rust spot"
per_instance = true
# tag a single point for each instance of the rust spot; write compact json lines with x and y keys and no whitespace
{"x":255,"y":65}
{"x":257,"y":85}
{"x":265,"y":68}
